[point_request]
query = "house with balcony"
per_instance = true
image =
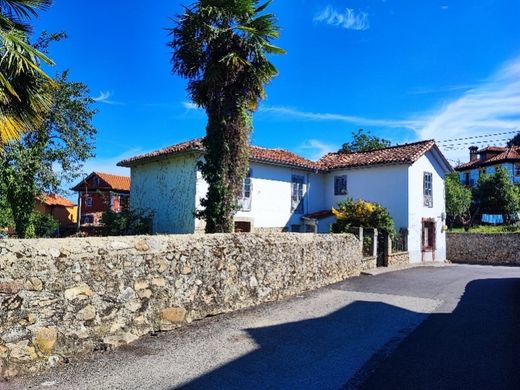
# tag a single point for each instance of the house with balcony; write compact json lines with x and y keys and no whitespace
{"x":100,"y":192}
{"x":486,"y":160}
{"x":284,"y":191}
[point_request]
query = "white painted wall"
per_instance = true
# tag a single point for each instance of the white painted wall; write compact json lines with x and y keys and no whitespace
{"x":271,"y":195}
{"x":417,"y":210}
{"x":166,"y":187}
{"x":386,"y":185}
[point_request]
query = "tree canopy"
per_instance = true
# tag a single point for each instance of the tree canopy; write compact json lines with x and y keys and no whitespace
{"x":515,"y":141}
{"x":362,"y":141}
{"x":458,"y":199}
{"x":222,"y":48}
{"x":25,"y":89}
{"x":43,"y":159}
{"x":496,"y":194}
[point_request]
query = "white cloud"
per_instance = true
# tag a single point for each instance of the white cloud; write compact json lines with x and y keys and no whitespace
{"x":104,"y":97}
{"x":190,"y":106}
{"x":492,"y":107}
{"x":315,"y":149}
{"x":350,"y":19}
{"x":413,"y":124}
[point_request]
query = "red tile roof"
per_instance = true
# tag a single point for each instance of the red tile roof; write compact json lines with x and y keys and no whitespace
{"x":113,"y":182}
{"x":274,"y":156}
{"x":508,"y":154}
{"x":320,"y":214}
{"x":55,"y":200}
{"x":399,"y":154}
{"x":116,"y":182}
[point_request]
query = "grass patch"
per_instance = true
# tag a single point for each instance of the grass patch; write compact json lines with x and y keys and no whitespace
{"x":488,"y":229}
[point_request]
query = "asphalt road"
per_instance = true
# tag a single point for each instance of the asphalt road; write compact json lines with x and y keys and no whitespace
{"x":423,"y":328}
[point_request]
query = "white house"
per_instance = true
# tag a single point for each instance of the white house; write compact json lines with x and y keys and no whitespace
{"x":283,"y":190}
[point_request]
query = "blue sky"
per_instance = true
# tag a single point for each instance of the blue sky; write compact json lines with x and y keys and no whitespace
{"x":406,"y":70}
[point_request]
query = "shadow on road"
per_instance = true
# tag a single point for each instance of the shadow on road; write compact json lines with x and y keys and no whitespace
{"x":476,"y":346}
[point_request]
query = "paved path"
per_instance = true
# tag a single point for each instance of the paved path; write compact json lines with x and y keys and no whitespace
{"x":457,"y":323}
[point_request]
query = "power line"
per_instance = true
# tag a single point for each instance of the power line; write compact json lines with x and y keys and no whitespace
{"x":466,"y":144}
{"x":478,"y":136}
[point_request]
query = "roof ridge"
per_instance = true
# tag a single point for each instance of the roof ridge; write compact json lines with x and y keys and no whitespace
{"x":380,"y":149}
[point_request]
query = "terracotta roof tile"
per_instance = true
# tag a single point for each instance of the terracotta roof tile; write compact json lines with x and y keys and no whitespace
{"x":508,"y":154}
{"x":320,"y":214}
{"x":274,"y":156}
{"x":399,"y":154}
{"x":56,"y":200}
{"x":117,"y":182}
{"x":114,"y":182}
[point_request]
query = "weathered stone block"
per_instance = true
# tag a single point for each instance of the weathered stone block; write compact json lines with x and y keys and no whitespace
{"x":173,"y":314}
{"x":10,"y":287}
{"x":45,"y":339}
{"x":87,"y":313}
{"x":81,"y":291}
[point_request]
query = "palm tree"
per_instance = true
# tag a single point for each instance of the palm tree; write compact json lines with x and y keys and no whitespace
{"x":24,"y":87}
{"x":221,"y":47}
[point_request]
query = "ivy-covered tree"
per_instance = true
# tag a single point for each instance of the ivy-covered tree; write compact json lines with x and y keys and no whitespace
{"x":496,"y":194}
{"x":222,"y":48}
{"x":43,"y":159}
{"x":458,"y":200}
{"x":362,"y":141}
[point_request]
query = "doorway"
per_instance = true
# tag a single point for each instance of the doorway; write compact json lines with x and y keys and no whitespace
{"x":428,"y":239}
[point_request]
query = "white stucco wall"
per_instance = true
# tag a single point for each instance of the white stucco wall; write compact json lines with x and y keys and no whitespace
{"x":417,"y":210}
{"x":166,"y":187}
{"x":271,"y":196}
{"x":386,"y":185}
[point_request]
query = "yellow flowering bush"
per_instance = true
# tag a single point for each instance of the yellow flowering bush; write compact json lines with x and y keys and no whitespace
{"x":360,"y":213}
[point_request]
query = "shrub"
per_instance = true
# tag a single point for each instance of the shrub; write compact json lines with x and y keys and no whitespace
{"x":127,"y":223}
{"x":43,"y":225}
{"x":360,"y":213}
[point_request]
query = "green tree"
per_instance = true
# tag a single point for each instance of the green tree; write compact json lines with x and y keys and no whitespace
{"x":458,"y":199}
{"x":221,"y":47}
{"x":25,"y":90}
{"x":515,"y":141}
{"x":364,"y":142}
{"x":41,"y":160}
{"x":496,"y":194}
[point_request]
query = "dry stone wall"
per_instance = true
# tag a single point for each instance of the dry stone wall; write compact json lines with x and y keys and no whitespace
{"x":481,"y":248}
{"x":61,"y":297}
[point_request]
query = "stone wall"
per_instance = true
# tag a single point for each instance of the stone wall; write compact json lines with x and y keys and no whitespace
{"x":397,"y":258}
{"x":481,"y":248}
{"x":61,"y":297}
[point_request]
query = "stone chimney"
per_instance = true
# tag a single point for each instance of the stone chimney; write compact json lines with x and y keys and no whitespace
{"x":473,"y":156}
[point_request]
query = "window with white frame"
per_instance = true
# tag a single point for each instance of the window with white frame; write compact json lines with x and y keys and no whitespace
{"x":428,"y":189}
{"x":297,"y":183}
{"x":88,"y":201}
{"x":517,"y":169}
{"x":247,"y":191}
{"x":340,"y":185}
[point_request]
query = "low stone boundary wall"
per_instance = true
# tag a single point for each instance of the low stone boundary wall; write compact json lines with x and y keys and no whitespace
{"x":397,"y":258}
{"x":482,"y":248}
{"x":61,"y":297}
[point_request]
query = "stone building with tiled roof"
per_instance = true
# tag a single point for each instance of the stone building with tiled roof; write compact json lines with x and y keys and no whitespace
{"x":486,"y":160}
{"x":284,"y":191}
